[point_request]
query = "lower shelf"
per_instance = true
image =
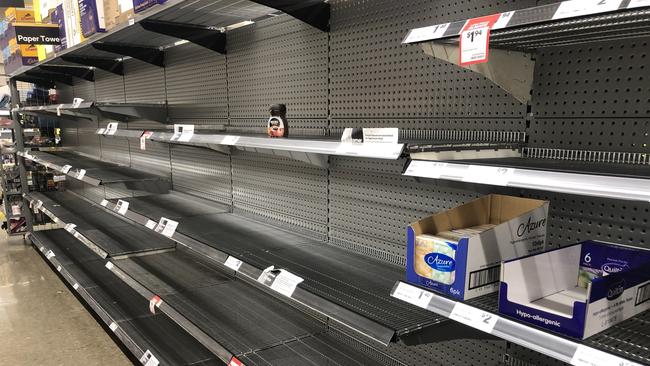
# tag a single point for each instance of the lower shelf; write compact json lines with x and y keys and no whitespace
{"x":119,"y":307}
{"x":624,"y":344}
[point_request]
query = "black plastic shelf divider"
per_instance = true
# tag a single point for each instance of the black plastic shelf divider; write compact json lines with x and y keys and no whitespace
{"x":123,"y":311}
{"x":623,"y":344}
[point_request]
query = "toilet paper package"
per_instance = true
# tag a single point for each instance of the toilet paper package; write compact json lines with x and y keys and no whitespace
{"x":459,"y":252}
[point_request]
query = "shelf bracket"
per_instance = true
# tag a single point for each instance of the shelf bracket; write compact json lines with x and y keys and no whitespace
{"x":313,"y":12}
{"x":106,"y":64}
{"x":512,"y":71}
{"x":65,"y":79}
{"x":151,"y":55}
{"x":77,"y":71}
{"x":123,"y":113}
{"x":209,"y":37}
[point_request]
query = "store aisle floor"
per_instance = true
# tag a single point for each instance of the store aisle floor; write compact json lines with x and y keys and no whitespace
{"x":41,"y":322}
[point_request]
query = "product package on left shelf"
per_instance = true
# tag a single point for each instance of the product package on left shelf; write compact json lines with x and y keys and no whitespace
{"x":577,"y":290}
{"x":458,"y":252}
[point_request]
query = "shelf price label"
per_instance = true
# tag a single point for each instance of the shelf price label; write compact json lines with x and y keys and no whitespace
{"x":230,"y":140}
{"x":113,"y":326}
{"x":475,"y":40}
{"x":413,"y":295}
{"x":111,"y":128}
{"x":473,"y":317}
{"x":104,"y":203}
{"x":587,"y":356}
{"x":151,"y":225}
{"x":166,"y":227}
{"x":235,"y":362}
{"x":154,"y":303}
{"x":183,"y":133}
{"x":280,"y":280}
{"x":49,"y":254}
{"x":233,"y":263}
{"x":66,"y":169}
{"x":638,"y":3}
{"x":426,"y":33}
{"x":121,"y":207}
{"x":75,"y":286}
{"x":498,"y":176}
{"x":148,"y":359}
{"x":577,"y":8}
{"x":81,"y":174}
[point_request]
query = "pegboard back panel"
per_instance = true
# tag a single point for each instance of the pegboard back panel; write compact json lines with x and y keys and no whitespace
{"x":115,"y":150}
{"x":64,"y":93}
{"x":371,"y":204}
{"x":154,"y":159}
{"x":282,"y":189}
{"x":83,"y":89}
{"x":88,"y":141}
{"x":109,"y":87}
{"x":201,"y":172}
{"x":143,"y":82}
{"x":196,"y":82}
{"x":278,"y":60}
{"x":69,"y":136}
{"x":374,"y":76}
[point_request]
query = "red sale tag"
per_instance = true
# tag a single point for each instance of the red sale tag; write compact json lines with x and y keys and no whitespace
{"x":154,"y":303}
{"x":475,"y":40}
{"x":235,"y":362}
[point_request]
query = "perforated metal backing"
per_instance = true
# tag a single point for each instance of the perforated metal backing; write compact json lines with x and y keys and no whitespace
{"x":88,"y":140}
{"x":115,"y":150}
{"x":297,"y":127}
{"x":196,"y":82}
{"x":64,"y":92}
{"x":143,"y":82}
{"x":372,"y":203}
{"x":202,"y":172}
{"x":288,"y":191}
{"x":521,"y":356}
{"x":69,"y":136}
{"x":154,"y":159}
{"x":109,"y":87}
{"x":83,"y":89}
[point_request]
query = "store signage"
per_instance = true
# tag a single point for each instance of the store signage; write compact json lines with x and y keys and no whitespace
{"x":39,"y":34}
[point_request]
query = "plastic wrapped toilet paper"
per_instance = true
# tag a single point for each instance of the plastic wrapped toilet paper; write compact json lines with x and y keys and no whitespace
{"x":435,"y":258}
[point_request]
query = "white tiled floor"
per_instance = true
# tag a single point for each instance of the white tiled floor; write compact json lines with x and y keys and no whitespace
{"x":41,"y":322}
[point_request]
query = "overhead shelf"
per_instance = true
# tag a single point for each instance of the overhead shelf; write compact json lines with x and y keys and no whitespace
{"x":345,"y":286}
{"x":515,"y":35}
{"x":123,"y":311}
{"x":312,"y":151}
{"x":608,"y":180}
{"x":623,"y":344}
{"x":123,"y":112}
{"x":203,"y":22}
{"x":95,"y":172}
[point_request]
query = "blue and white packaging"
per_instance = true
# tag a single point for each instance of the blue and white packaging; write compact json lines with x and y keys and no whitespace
{"x":57,"y":17}
{"x":578,"y":290}
{"x":142,"y":5}
{"x":473,"y":261}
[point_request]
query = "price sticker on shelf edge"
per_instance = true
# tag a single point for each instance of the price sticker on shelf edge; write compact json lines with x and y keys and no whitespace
{"x":49,"y":254}
{"x":475,"y":40}
{"x":66,"y":169}
{"x":166,"y":227}
{"x":75,"y":286}
{"x":498,"y":176}
{"x":81,"y":174}
{"x":148,"y":359}
{"x":230,"y":140}
{"x":280,"y":280}
{"x":111,"y":128}
{"x":473,"y":317}
{"x":121,"y":207}
{"x":233,"y":263}
{"x":183,"y":133}
{"x":143,"y":139}
{"x":58,"y":110}
{"x":638,"y":3}
{"x":587,"y":356}
{"x":503,"y":20}
{"x":413,"y":295}
{"x":113,"y":326}
{"x":235,"y":362}
{"x":76,"y":102}
{"x":58,"y":268}
{"x":104,"y":203}
{"x":109,"y":265}
{"x":150,"y":224}
{"x":154,"y":303}
{"x":426,"y":33}
{"x":577,"y":8}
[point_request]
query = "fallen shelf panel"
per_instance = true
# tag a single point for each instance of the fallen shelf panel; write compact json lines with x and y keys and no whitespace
{"x":624,"y":342}
{"x":122,"y":310}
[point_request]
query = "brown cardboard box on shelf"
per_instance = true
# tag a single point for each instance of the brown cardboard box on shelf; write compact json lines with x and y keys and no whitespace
{"x":20,"y":15}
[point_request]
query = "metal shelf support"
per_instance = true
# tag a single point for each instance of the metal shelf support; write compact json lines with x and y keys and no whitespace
{"x":50,"y":76}
{"x":85,"y":73}
{"x":313,"y":12}
{"x":114,"y":66}
{"x":151,"y":55}
{"x":211,"y":38}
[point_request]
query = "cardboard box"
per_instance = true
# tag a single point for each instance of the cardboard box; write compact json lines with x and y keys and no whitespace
{"x":142,"y":5}
{"x":57,"y":17}
{"x":97,"y":15}
{"x":473,"y":261}
{"x":577,"y":290}
{"x":20,"y":15}
{"x":72,"y":22}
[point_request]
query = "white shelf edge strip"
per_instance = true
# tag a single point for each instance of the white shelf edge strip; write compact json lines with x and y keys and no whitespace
{"x":551,"y":345}
{"x":634,"y":189}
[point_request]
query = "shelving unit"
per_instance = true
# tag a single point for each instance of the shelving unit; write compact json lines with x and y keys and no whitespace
{"x":93,"y":110}
{"x":624,"y":344}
